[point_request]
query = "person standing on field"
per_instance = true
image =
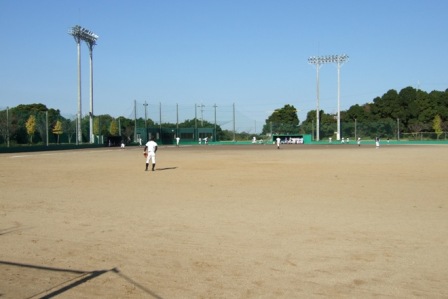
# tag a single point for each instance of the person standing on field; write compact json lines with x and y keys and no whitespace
{"x":278,"y":142}
{"x":150,"y":151}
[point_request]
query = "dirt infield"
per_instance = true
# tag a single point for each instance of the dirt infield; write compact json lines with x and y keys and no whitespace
{"x":226,"y":222}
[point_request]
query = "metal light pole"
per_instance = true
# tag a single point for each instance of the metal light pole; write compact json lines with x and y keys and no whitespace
{"x":91,"y":42}
{"x":177,"y":120}
{"x":340,"y":59}
{"x":195,"y":121}
{"x":82,"y":34}
{"x":202,"y":114}
{"x":76,"y":33}
{"x":214,"y":139}
{"x":146,"y":124}
{"x":7,"y":126}
{"x":318,"y":61}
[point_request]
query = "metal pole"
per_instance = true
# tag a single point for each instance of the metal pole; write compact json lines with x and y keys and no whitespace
{"x":195,"y":121}
{"x":356,"y":136}
{"x":76,"y":124}
{"x":398,"y":129}
{"x":338,"y":137}
{"x":91,"y":93}
{"x":160,"y":118}
{"x":146,"y":124}
{"x":234,"y":139}
{"x":202,"y":115}
{"x":46,"y":124}
{"x":177,"y":120}
{"x":135,"y":121}
{"x":317,"y":103}
{"x":78,"y":127}
{"x":214,"y":138}
{"x":7,"y":126}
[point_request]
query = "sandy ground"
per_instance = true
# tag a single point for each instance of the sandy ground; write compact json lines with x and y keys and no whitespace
{"x":226,"y":222}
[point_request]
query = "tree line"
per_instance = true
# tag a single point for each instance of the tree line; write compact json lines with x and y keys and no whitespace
{"x":34,"y":123}
{"x":410,"y":111}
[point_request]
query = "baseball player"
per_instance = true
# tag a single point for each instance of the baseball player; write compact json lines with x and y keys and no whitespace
{"x":150,"y":153}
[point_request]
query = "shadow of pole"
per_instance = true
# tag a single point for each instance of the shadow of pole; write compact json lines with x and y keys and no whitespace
{"x":84,"y":277}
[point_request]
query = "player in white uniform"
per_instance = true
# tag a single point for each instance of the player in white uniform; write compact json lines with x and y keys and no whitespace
{"x":150,"y":149}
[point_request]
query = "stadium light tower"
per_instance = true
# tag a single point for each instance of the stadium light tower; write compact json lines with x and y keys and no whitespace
{"x":82,"y":34}
{"x":76,"y":33}
{"x":339,"y":60}
{"x":90,"y":39}
{"x":318,"y":61}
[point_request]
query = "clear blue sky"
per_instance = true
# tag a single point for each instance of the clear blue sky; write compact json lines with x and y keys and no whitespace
{"x":253,"y":53}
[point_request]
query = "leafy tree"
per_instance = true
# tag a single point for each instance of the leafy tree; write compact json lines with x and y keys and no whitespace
{"x":4,"y":125}
{"x":96,"y":126}
{"x":69,"y":126}
{"x":31,"y":127}
{"x":415,"y":128}
{"x":113,"y":128}
{"x":437,"y":125}
{"x":57,"y":129}
{"x":282,"y":121}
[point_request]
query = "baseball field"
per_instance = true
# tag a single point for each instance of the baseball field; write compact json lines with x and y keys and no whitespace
{"x":235,"y":221}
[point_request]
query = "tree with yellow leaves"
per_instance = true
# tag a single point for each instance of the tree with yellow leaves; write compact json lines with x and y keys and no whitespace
{"x":57,"y":129}
{"x":113,"y":129}
{"x":437,"y":126}
{"x":31,"y":127}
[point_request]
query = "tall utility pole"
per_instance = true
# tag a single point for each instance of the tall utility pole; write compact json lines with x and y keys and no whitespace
{"x":91,"y":42}
{"x":234,"y":130}
{"x":135,"y":120}
{"x":202,"y":115}
{"x":195,"y":121}
{"x":317,"y":61}
{"x":76,"y":33}
{"x":177,"y":120}
{"x":146,"y":122}
{"x":7,"y":126}
{"x":340,"y":59}
{"x":82,"y":34}
{"x":214,"y":138}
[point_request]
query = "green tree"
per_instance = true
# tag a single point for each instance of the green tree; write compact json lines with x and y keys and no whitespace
{"x":31,"y":127}
{"x":96,"y":126}
{"x":282,"y":121}
{"x":437,"y":125}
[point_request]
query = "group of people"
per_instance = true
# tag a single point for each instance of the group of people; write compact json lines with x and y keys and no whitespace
{"x":358,"y":141}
